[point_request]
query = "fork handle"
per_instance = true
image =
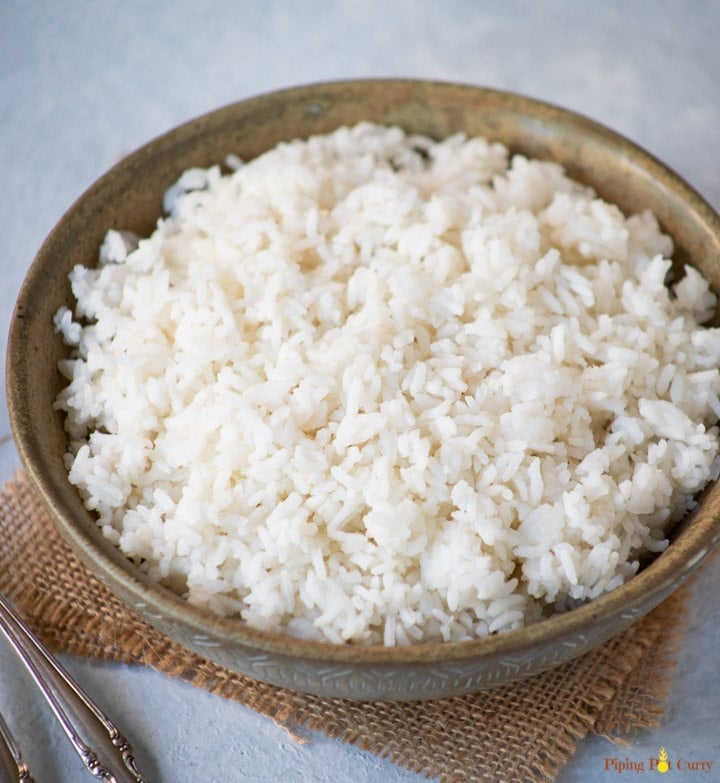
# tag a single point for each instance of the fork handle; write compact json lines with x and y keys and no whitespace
{"x":12,"y":766}
{"x":103,"y":749}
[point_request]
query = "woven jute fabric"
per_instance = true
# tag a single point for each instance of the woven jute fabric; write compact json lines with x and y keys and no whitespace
{"x":522,"y":732}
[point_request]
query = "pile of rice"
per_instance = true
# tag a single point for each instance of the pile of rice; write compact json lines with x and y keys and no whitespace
{"x":371,"y":388}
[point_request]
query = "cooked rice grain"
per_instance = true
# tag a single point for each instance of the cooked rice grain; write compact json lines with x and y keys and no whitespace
{"x":372,"y":388}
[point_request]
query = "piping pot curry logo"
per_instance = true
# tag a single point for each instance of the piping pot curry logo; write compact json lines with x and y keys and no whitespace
{"x":662,"y":763}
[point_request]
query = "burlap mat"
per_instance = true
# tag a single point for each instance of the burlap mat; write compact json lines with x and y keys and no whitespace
{"x":522,"y":732}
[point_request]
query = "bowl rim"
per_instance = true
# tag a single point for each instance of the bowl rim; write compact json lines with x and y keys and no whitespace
{"x":643,"y":590}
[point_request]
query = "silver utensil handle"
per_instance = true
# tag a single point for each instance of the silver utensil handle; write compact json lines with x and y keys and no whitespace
{"x":11,"y":760}
{"x":103,"y":749}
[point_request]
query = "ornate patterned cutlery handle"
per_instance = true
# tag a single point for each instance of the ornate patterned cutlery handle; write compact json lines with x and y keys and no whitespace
{"x":103,"y":749}
{"x":11,"y":760}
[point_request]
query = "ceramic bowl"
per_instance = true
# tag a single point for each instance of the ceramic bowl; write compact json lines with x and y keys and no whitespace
{"x":129,"y":197}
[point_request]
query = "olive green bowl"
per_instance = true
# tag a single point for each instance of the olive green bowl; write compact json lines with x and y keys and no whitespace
{"x":129,"y":197}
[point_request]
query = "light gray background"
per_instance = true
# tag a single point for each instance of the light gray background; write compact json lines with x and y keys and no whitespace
{"x":82,"y":83}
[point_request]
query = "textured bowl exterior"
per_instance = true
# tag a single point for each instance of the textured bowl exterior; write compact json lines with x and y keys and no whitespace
{"x":129,"y":197}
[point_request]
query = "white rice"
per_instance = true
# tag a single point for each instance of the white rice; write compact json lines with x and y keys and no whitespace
{"x":377,"y":389}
